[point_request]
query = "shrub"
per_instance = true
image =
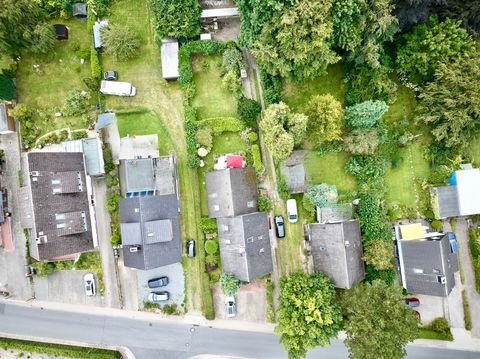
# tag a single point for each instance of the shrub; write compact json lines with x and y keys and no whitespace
{"x":211,"y":259}
{"x":308,"y":208}
{"x":231,"y":82}
{"x":257,"y":158}
{"x":282,"y":187}
{"x":264,"y":204}
{"x":437,"y":225}
{"x":215,"y":274}
{"x":190,"y":130}
{"x":248,"y":110}
{"x":175,"y":19}
{"x":233,"y":60}
{"x":207,"y":225}
{"x":62,"y":136}
{"x":366,"y":168}
{"x":223,"y":124}
{"x":211,"y":246}
{"x":366,"y":114}
{"x":272,"y":88}
{"x":95,"y":65}
{"x":204,"y":137}
{"x":76,"y":103}
{"x":7,"y":88}
{"x":208,"y":308}
{"x":21,"y":112}
{"x":270,"y":306}
{"x":361,"y":141}
{"x":252,"y":137}
{"x":229,"y":283}
{"x":78,"y":135}
{"x":440,"y":325}
{"x":170,"y":309}
{"x":120,"y":42}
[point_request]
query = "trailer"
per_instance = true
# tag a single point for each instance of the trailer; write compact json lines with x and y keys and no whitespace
{"x":117,"y":88}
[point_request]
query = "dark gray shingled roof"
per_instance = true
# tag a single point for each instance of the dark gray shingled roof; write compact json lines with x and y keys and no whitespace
{"x":137,"y":176}
{"x":60,"y":205}
{"x":245,"y":245}
{"x":423,"y":262}
{"x":231,"y":192}
{"x":151,"y":225}
{"x":447,"y":201}
{"x":337,"y":251}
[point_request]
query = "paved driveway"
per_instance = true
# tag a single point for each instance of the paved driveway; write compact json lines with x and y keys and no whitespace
{"x":251,"y":303}
{"x":176,"y":285}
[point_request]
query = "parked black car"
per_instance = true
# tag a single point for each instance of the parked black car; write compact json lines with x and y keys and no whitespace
{"x":280,"y":226}
{"x":158,"y":282}
{"x":190,"y":248}
{"x":110,"y":75}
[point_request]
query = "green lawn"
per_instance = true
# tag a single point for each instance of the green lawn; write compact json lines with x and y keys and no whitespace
{"x":144,"y":122}
{"x":211,"y":99}
{"x":297,"y":95}
{"x":329,"y":168}
{"x":427,"y":333}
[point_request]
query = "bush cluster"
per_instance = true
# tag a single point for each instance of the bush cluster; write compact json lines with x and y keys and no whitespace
{"x":95,"y":65}
{"x":207,"y":225}
{"x":223,"y":124}
{"x":257,"y":158}
{"x":248,"y":111}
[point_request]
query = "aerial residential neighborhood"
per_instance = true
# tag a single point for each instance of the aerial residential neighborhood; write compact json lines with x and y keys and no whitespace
{"x":239,"y":179}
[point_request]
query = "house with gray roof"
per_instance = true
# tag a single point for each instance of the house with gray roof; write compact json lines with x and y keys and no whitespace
{"x":293,"y":171}
{"x":427,"y":263}
{"x":142,"y":177}
{"x":337,"y":251}
{"x":245,"y":245}
{"x":150,"y":231}
{"x":231,"y":192}
{"x":461,"y":197}
{"x":61,"y":226}
{"x":7,"y":123}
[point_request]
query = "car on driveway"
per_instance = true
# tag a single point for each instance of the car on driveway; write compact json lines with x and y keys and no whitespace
{"x":158,"y":296}
{"x":292,"y":213}
{"x":280,"y":226}
{"x":230,"y":306}
{"x":412,"y":302}
{"x":110,"y":75}
{"x":89,"y":283}
{"x":158,"y":282}
{"x":191,"y":248}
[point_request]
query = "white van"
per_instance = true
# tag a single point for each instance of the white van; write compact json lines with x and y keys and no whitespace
{"x":292,"y":213}
{"x":117,"y":88}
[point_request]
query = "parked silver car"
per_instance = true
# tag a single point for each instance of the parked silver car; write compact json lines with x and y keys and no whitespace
{"x":158,"y":296}
{"x":89,"y":282}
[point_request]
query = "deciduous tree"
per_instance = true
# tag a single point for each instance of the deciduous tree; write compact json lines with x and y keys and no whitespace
{"x":120,"y":42}
{"x":431,"y":43}
{"x":450,"y":104}
{"x":308,"y":315}
{"x":296,"y":43}
{"x":179,"y":18}
{"x":377,"y":321}
{"x":325,"y":117}
{"x":322,"y":195}
{"x":229,"y":283}
{"x":379,"y":254}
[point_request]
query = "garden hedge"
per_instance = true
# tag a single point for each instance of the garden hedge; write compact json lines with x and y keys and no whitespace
{"x":7,"y":88}
{"x":223,"y":124}
{"x":257,"y":158}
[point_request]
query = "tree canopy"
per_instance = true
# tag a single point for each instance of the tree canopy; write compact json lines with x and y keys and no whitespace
{"x":282,"y":129}
{"x":322,"y":195}
{"x":296,"y":43}
{"x":325,"y":118}
{"x":308,"y":314}
{"x":450,"y":104}
{"x":377,"y":321}
{"x":22,"y":25}
{"x":366,"y":114}
{"x":229,"y":283}
{"x":378,"y":253}
{"x":179,"y":18}
{"x":429,"y":44}
{"x":120,"y":42}
{"x":361,"y":141}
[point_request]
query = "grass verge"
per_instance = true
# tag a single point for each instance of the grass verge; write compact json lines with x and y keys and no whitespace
{"x":91,"y":261}
{"x":466,"y":311}
{"x":270,"y":305}
{"x":57,"y":350}
{"x":429,"y":333}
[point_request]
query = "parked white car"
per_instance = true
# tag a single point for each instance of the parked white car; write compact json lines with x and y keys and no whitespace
{"x":117,"y":88}
{"x":292,"y":213}
{"x":89,"y":282}
{"x":230,"y":306}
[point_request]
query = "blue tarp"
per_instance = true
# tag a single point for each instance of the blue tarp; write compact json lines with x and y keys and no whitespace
{"x":452,"y":180}
{"x":453,"y":242}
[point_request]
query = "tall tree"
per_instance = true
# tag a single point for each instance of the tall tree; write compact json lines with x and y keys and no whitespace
{"x":361,"y":141}
{"x":179,"y":18}
{"x":467,"y":11}
{"x":377,"y":321}
{"x":413,"y":12}
{"x":308,"y":315}
{"x":120,"y":42}
{"x":282,"y":129}
{"x":431,"y":43}
{"x":366,"y":114}
{"x":296,"y":43}
{"x":450,"y":104}
{"x":379,"y":254}
{"x":322,"y":195}
{"x":348,"y":23}
{"x":325,"y":117}
{"x":255,"y":14}
{"x":20,"y":26}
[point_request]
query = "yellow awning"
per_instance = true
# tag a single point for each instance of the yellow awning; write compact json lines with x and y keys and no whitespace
{"x":412,"y":231}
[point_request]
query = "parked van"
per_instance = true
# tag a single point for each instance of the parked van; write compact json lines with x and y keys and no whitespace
{"x":292,"y":213}
{"x":117,"y":88}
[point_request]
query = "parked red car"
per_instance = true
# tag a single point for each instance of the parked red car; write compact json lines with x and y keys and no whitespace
{"x":412,"y":302}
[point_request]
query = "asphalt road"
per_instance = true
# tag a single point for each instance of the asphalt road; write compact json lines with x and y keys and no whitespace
{"x":166,"y":339}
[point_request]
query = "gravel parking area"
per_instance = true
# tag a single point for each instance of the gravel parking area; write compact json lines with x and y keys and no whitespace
{"x":176,"y":285}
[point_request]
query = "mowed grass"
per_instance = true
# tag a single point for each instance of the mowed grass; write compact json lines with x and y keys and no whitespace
{"x":144,"y":123}
{"x":329,"y":168}
{"x":60,"y":72}
{"x":211,"y":99}
{"x":297,"y":95}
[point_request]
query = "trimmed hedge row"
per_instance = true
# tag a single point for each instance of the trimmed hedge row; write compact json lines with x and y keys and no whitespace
{"x":223,"y":124}
{"x":257,"y":158}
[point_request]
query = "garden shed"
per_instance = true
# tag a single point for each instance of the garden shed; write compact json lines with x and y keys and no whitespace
{"x":79,"y":10}
{"x":169,"y":56}
{"x":61,"y":31}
